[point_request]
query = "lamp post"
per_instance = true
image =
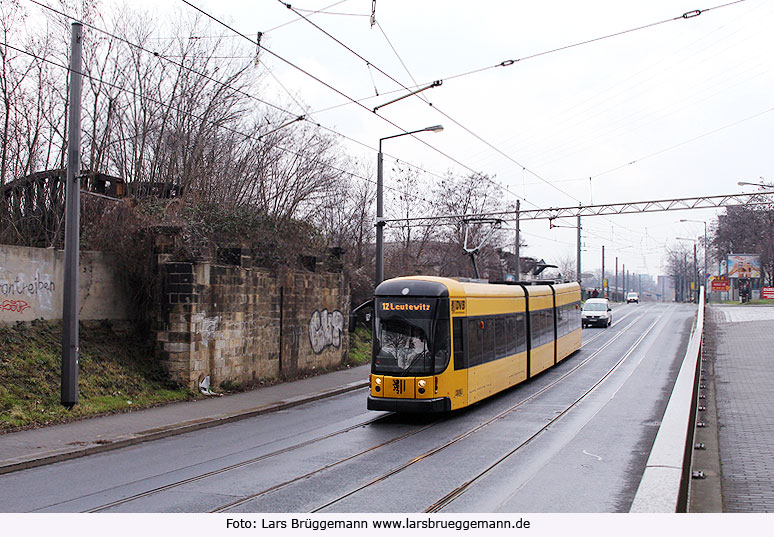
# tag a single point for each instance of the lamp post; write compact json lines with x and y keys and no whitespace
{"x":763,"y":185}
{"x":696,"y":290}
{"x":704,"y":278}
{"x":380,"y":202}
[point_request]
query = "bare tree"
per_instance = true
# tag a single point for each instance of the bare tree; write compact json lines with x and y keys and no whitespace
{"x":473,"y":194}
{"x":407,"y":242}
{"x":680,"y":267}
{"x":746,"y":230}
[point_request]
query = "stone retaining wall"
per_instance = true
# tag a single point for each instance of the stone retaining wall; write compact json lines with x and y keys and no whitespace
{"x":241,"y":325}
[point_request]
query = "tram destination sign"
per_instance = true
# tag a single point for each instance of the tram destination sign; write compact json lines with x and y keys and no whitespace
{"x":408,"y":308}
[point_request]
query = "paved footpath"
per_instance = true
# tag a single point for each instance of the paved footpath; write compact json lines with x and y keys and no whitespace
{"x":744,"y":377}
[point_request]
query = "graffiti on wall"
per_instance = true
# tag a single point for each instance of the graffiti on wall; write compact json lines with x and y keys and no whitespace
{"x":325,"y":329}
{"x":39,"y":288}
{"x":17,"y":306}
{"x":22,"y":286}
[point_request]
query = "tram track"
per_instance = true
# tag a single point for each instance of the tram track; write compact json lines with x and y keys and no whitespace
{"x":248,"y":462}
{"x":454,"y":494}
{"x":500,"y":415}
{"x":278,"y":486}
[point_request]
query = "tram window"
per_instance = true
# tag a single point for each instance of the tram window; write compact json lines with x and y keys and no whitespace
{"x":521,"y":333}
{"x":512,"y":334}
{"x":561,"y":320}
{"x":542,"y":327}
{"x":489,"y":340}
{"x":475,"y":341}
{"x":536,"y":322}
{"x":501,"y":338}
{"x":441,"y":346}
{"x":459,"y":345}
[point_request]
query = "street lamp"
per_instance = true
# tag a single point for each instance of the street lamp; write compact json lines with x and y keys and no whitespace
{"x":696,"y":290}
{"x":380,"y":202}
{"x":743,"y":183}
{"x":704,"y":279}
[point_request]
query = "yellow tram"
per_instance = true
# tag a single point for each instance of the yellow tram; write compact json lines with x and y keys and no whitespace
{"x":442,"y":344}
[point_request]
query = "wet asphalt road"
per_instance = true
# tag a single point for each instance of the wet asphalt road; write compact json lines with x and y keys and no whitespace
{"x":574,"y":439}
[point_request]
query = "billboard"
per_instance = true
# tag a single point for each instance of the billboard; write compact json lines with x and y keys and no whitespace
{"x":744,"y":266}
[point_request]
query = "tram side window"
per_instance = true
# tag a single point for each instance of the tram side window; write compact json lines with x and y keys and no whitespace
{"x":521,"y":332}
{"x":501,"y":338}
{"x":561,"y":321}
{"x":489,"y":340}
{"x":536,"y":325}
{"x":441,"y":346}
{"x":512,"y":333}
{"x":459,"y":345}
{"x":542,"y":327}
{"x":475,"y":341}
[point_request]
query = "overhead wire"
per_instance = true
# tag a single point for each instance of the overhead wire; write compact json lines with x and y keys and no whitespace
{"x":686,"y":15}
{"x":510,"y":62}
{"x":334,"y":89}
{"x":241,"y":92}
{"x":466,"y":129}
{"x":198,"y":117}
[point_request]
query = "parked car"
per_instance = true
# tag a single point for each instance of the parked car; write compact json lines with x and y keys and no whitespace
{"x":596,"y":311}
{"x":633,"y":297}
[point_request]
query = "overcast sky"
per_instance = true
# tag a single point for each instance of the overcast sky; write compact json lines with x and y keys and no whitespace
{"x":679,"y":109}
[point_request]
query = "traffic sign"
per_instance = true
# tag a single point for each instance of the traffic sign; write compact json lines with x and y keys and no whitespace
{"x":720,"y":283}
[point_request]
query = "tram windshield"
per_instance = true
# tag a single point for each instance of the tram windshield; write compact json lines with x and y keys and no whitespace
{"x":411,"y":337}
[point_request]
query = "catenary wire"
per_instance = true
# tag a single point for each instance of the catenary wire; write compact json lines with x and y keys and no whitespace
{"x":341,"y":93}
{"x":165,"y":57}
{"x":195,"y":116}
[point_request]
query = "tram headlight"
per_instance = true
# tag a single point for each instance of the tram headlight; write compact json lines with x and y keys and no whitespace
{"x":421,"y":386}
{"x":377,"y":384}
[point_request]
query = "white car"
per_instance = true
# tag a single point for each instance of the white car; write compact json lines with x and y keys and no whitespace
{"x":632,"y":297}
{"x":596,"y":311}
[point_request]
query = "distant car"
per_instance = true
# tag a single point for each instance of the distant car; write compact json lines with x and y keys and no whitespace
{"x":632,"y":297}
{"x":596,"y":311}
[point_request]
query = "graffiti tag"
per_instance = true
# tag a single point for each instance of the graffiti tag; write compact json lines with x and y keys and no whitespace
{"x":325,"y":329}
{"x":20,"y":286}
{"x":14,"y":305}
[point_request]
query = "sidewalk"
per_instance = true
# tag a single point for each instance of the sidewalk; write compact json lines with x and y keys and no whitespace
{"x":743,"y":377}
{"x":36,"y":447}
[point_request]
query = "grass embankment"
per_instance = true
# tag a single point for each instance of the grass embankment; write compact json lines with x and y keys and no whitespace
{"x":116,"y":373}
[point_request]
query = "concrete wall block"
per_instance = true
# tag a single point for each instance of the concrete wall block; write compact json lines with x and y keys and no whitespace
{"x":244,"y":345}
{"x":177,"y":347}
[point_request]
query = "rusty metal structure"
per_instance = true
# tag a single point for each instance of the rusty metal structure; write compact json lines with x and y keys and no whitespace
{"x":32,"y":207}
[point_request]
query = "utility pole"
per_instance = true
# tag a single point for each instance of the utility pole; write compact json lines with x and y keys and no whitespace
{"x":518,"y":239}
{"x":695,"y":276}
{"x":69,"y":379}
{"x":604,"y":289}
{"x":623,"y":277}
{"x":578,"y":259}
{"x":616,"y":277}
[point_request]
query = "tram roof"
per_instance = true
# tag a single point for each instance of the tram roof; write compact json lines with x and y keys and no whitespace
{"x":485,"y":289}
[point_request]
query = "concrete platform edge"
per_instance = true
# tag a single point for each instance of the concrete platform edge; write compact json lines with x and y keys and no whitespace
{"x":660,"y":487}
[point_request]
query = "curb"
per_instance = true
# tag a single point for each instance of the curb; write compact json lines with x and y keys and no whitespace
{"x":665,"y":483}
{"x":20,"y":463}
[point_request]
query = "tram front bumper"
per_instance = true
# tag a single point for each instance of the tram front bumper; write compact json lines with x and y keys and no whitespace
{"x":439,"y":404}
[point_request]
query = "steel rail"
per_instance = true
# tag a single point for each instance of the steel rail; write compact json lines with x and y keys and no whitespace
{"x":475,"y":429}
